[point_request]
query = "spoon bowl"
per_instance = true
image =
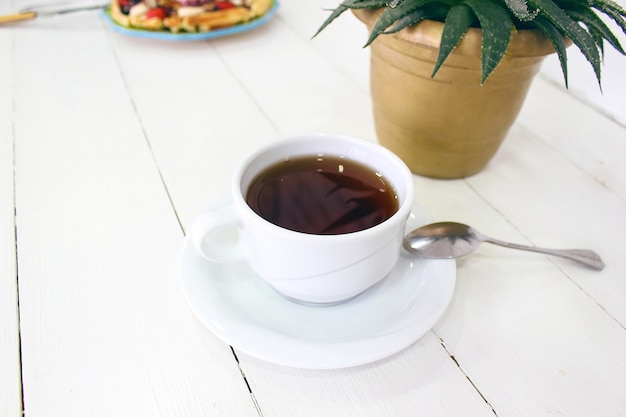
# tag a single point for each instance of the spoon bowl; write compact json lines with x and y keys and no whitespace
{"x":446,"y":240}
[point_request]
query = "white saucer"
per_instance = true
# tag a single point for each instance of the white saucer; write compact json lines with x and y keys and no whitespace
{"x":244,"y":311}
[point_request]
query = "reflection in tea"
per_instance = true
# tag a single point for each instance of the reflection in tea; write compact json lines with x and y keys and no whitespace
{"x":322,"y":194}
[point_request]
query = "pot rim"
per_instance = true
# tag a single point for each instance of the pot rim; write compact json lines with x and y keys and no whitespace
{"x":523,"y":42}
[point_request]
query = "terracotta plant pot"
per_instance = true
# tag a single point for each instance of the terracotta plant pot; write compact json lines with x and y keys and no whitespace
{"x":449,"y":126}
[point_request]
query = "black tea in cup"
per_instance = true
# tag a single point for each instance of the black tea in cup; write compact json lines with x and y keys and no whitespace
{"x":322,"y":194}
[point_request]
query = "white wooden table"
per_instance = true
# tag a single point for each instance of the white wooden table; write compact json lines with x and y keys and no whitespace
{"x":111,"y":145}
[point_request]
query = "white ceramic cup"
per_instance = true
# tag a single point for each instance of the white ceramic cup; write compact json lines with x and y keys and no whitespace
{"x":307,"y":267}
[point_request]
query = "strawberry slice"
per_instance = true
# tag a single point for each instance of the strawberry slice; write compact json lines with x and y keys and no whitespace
{"x":224,"y":5}
{"x":158,"y":12}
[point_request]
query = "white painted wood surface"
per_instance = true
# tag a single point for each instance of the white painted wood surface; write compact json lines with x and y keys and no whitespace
{"x":10,"y":383}
{"x":120,"y":142}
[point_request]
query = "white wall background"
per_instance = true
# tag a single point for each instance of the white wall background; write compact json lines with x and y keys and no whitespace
{"x":582,"y":81}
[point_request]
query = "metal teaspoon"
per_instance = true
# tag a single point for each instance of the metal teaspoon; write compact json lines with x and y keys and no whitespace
{"x":452,"y":240}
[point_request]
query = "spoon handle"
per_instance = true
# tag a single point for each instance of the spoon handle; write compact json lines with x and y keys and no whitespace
{"x":583,"y":256}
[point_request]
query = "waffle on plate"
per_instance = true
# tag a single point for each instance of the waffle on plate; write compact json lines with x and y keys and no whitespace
{"x":190,"y":16}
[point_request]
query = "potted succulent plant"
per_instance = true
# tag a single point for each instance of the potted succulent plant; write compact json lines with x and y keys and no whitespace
{"x":448,"y":77}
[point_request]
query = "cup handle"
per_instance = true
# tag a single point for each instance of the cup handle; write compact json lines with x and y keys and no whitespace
{"x":216,"y":235}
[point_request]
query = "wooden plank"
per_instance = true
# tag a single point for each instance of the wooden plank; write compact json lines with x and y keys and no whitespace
{"x":491,"y":339}
{"x":340,"y":43}
{"x":92,"y":345}
{"x":578,"y":132}
{"x":10,"y":383}
{"x":240,"y":106}
{"x":491,"y":326}
{"x":510,"y":306}
{"x":238,"y":100}
{"x":106,"y":330}
{"x":209,"y":114}
{"x":299,"y":92}
{"x":421,"y":380}
{"x":586,"y":149}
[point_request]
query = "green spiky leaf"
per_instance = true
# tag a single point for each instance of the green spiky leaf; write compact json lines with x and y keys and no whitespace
{"x":391,"y":14}
{"x":410,"y":19}
{"x":597,"y":28}
{"x":432,"y":12}
{"x":497,"y":27}
{"x":612,"y":10}
{"x":519,"y":8}
{"x":571,"y":29}
{"x":555,"y":37}
{"x":335,"y":14}
{"x":458,"y":21}
{"x":366,"y":4}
